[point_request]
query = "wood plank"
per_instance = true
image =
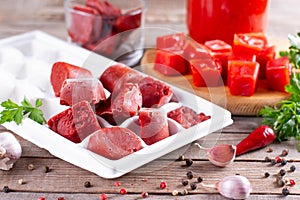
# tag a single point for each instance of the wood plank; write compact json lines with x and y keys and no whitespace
{"x":134,"y":182}
{"x":87,"y":196}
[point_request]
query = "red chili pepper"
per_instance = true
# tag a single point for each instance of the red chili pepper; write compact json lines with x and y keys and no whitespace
{"x":260,"y":137}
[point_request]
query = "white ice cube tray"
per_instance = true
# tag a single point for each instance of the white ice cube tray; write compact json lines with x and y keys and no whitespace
{"x":25,"y":66}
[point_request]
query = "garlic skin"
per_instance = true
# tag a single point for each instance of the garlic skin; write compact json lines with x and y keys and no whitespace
{"x":10,"y":150}
{"x":234,"y":187}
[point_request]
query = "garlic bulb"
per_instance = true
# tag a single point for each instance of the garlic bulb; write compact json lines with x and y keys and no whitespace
{"x":234,"y":187}
{"x":10,"y":150}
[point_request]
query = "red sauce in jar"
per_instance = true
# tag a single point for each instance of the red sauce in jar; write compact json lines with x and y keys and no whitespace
{"x":220,"y":19}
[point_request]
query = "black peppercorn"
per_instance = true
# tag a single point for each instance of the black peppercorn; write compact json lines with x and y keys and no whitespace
{"x":267,"y":159}
{"x":283,"y":162}
{"x":5,"y":189}
{"x":199,"y":179}
{"x":189,"y":174}
{"x":267,"y":174}
{"x":273,"y":161}
{"x":185,"y":182}
{"x":87,"y":184}
{"x":285,"y":191}
{"x":193,"y":186}
{"x":292,"y":168}
{"x":189,"y":162}
{"x":282,"y":172}
{"x":46,"y":169}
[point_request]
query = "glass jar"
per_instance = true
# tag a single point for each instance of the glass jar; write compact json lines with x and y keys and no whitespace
{"x":220,"y":19}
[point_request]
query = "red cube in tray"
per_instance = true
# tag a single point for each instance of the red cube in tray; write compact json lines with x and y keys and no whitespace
{"x":206,"y":72}
{"x":170,"y":62}
{"x":242,"y":77}
{"x":278,"y":73}
{"x":154,"y":125}
{"x":75,"y":123}
{"x":222,"y":51}
{"x":195,"y":50}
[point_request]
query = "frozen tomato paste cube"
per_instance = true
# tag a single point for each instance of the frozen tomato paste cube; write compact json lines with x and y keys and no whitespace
{"x":222,"y":51}
{"x":206,"y":72}
{"x":154,"y":125}
{"x":76,"y":90}
{"x":187,"y":117}
{"x":85,"y":25}
{"x":154,"y":92}
{"x":278,"y":74}
{"x":62,"y":71}
{"x":242,"y":77}
{"x":116,"y":75}
{"x":75,"y":123}
{"x":170,"y":62}
{"x":129,"y":20}
{"x":195,"y":50}
{"x":171,"y":40}
{"x":126,"y":102}
{"x":114,"y":142}
{"x":263,"y":57}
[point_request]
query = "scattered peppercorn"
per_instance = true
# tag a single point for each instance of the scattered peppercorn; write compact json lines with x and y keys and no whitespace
{"x":281,"y":183}
{"x":185,"y":182}
{"x":189,"y":162}
{"x":284,"y":152}
{"x":273,"y":161}
{"x":117,"y":183}
{"x":278,"y":159}
{"x":5,"y":189}
{"x":123,"y":191}
{"x":184,"y":192}
{"x":175,"y":192}
{"x":61,"y":198}
{"x":103,"y":196}
{"x":163,"y":185}
{"x":292,"y":168}
{"x":87,"y":184}
{"x":41,"y":198}
{"x":285,"y":191}
{"x":46,"y":169}
{"x":189,"y":174}
{"x":269,"y":150}
{"x":181,"y":158}
{"x":282,"y":172}
{"x":267,"y":159}
{"x":267,"y":174}
{"x":292,"y":182}
{"x":144,"y":194}
{"x":193,"y":186}
{"x":283,"y":162}
{"x":30,"y":167}
{"x":20,"y":181}
{"x":199,"y":179}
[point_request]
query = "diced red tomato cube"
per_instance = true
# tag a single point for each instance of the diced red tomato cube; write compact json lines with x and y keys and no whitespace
{"x":206,"y":72}
{"x":242,"y":77}
{"x":263,"y":57}
{"x":171,"y":40}
{"x":170,"y":62}
{"x":195,"y":50}
{"x":278,"y":74}
{"x":222,"y":51}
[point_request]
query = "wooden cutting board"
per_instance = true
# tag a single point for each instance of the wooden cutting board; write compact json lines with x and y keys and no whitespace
{"x":237,"y":105}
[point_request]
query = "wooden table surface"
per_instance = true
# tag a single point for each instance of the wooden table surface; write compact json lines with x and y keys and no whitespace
{"x":66,"y":180}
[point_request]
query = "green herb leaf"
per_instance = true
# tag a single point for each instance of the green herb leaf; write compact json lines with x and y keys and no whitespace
{"x":16,"y":113}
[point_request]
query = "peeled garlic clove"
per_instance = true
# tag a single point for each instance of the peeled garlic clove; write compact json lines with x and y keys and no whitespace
{"x":221,"y":155}
{"x":234,"y":187}
{"x":10,"y":150}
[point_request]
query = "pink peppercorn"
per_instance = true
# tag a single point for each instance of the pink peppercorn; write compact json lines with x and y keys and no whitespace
{"x":117,"y":183}
{"x":41,"y":198}
{"x":145,"y":194}
{"x":123,"y":191}
{"x":292,"y":182}
{"x":163,"y":185}
{"x":103,"y":196}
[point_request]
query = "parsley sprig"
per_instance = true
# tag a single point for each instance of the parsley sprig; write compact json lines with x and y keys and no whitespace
{"x":284,"y":117}
{"x":14,"y":112}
